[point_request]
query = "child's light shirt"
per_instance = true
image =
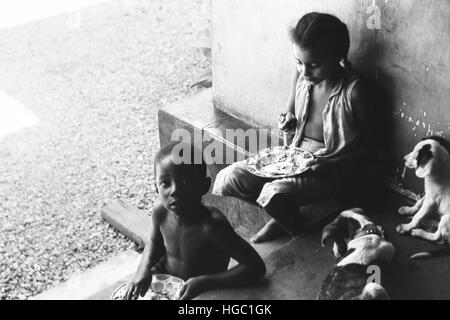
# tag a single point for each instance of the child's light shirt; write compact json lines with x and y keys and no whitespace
{"x":340,"y":129}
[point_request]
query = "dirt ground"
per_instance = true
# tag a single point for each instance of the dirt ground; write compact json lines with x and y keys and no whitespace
{"x":94,"y":79}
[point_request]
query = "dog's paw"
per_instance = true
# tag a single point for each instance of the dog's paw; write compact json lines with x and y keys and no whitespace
{"x":405,"y":211}
{"x":402,"y":229}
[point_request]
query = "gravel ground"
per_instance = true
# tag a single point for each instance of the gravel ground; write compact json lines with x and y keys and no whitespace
{"x":95,"y":80}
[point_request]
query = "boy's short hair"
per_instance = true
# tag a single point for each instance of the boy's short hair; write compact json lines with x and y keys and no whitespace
{"x":192,"y":161}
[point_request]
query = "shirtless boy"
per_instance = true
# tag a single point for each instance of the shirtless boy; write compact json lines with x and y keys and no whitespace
{"x":190,"y":240}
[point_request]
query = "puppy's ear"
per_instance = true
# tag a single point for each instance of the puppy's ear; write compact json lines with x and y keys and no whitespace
{"x":335,"y":231}
{"x":423,"y":161}
{"x":340,"y":249}
{"x":326,"y":235}
{"x":331,"y":231}
{"x":339,"y":230}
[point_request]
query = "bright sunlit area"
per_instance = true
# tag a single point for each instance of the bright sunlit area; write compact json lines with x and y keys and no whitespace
{"x":13,"y":13}
{"x":13,"y":115}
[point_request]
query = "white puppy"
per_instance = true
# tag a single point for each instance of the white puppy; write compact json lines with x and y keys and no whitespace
{"x":359,"y":243}
{"x":431,"y":161}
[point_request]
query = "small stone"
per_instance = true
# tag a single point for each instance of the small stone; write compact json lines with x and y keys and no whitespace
{"x":8,"y":227}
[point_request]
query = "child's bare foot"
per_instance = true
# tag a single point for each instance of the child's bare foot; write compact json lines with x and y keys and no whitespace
{"x":270,"y":231}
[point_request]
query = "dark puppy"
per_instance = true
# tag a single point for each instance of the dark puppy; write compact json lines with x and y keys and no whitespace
{"x":359,"y":243}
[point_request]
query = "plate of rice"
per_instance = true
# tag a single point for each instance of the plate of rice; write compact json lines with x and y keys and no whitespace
{"x":279,"y":162}
{"x":163,"y":287}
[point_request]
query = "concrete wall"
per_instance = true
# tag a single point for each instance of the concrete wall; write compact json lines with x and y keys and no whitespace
{"x":407,"y":54}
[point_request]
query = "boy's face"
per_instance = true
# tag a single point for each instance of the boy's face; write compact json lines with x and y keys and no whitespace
{"x":179,"y":186}
{"x":313,"y":65}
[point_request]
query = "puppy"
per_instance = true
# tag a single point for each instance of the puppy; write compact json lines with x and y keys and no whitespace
{"x":359,"y":243}
{"x":431,"y":161}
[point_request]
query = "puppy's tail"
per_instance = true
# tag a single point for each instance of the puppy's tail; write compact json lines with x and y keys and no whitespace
{"x":431,"y":254}
{"x":373,"y":291}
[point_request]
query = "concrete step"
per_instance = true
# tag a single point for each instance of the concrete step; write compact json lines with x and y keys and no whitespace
{"x":88,"y":284}
{"x":264,"y":249}
{"x":294,"y":271}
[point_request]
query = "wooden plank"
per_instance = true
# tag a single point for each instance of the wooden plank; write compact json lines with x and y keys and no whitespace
{"x":129,"y":220}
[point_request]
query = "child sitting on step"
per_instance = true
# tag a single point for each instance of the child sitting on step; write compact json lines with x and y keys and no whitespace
{"x":328,"y":109}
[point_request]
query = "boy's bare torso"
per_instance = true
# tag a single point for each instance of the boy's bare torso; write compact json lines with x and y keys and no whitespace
{"x":189,"y":250}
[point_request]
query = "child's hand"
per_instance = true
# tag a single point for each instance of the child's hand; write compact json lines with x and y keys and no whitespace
{"x":138,"y":286}
{"x":192,"y":288}
{"x":287,"y":121}
{"x":320,"y":166}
